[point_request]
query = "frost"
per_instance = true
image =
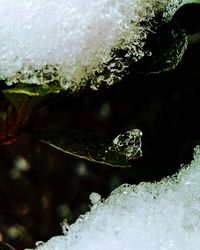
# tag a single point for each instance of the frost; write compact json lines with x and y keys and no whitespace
{"x":73,"y":42}
{"x":128,"y":143}
{"x":38,"y":243}
{"x":149,"y":216}
{"x":95,"y":198}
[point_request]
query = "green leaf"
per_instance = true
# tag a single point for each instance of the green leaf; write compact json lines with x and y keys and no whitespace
{"x":27,"y":96}
{"x":117,"y":152}
{"x":166,"y":48}
{"x":24,"y":99}
{"x":17,"y":100}
{"x":4,"y":246}
{"x":34,"y":89}
{"x":187,"y":17}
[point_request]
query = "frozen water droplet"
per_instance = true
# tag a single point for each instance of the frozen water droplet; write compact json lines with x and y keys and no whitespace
{"x":95,"y":198}
{"x":129,"y":144}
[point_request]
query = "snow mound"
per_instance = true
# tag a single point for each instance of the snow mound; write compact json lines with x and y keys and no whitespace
{"x":71,"y":42}
{"x":150,"y":216}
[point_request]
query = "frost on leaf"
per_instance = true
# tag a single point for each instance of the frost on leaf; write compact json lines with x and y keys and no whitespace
{"x":117,"y":152}
{"x":74,"y":42}
{"x":128,"y":144}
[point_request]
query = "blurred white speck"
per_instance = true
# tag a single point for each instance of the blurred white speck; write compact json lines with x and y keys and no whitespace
{"x":14,"y":232}
{"x":45,"y":201}
{"x":81,"y":169}
{"x":105,"y":110}
{"x":21,"y":163}
{"x":63,"y":210}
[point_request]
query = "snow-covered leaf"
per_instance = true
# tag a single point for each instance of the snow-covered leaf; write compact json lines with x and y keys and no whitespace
{"x":118,"y":152}
{"x":166,"y":50}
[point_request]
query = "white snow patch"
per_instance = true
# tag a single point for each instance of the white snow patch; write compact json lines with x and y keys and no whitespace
{"x":150,"y":216}
{"x":95,"y":198}
{"x":68,"y":41}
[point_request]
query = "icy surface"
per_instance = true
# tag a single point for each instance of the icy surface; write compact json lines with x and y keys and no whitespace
{"x":158,"y":216}
{"x":129,"y":143}
{"x":71,"y":41}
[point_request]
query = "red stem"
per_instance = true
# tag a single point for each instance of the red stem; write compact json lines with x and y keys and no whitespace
{"x":13,"y":129}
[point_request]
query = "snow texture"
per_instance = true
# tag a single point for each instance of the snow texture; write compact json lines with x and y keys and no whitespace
{"x":72,"y":41}
{"x":95,"y":198}
{"x":150,"y":216}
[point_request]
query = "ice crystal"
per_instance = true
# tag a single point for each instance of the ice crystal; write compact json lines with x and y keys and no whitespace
{"x":73,"y":42}
{"x":95,"y":198}
{"x":129,"y":143}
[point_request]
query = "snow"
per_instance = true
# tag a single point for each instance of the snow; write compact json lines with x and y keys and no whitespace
{"x":95,"y":198}
{"x":71,"y":41}
{"x":149,"y":216}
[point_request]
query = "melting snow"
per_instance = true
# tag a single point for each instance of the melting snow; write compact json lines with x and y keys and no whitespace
{"x":150,"y":216}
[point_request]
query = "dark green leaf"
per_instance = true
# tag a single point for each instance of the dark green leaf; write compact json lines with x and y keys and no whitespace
{"x":17,"y":100}
{"x":27,"y":96}
{"x":188,"y":18}
{"x":166,"y":48}
{"x":118,"y":152}
{"x":23,"y":101}
{"x":34,"y":89}
{"x":4,"y":246}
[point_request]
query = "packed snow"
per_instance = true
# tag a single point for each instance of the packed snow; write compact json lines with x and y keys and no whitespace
{"x":71,"y":42}
{"x":150,"y":216}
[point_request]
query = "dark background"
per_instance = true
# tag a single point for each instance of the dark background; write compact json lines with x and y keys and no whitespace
{"x":40,"y":186}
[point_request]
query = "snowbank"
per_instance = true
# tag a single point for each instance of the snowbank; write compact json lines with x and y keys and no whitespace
{"x":150,"y":216}
{"x":69,"y":41}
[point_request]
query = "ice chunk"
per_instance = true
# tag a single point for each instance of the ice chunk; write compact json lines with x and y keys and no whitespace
{"x":95,"y":198}
{"x":129,"y":143}
{"x":149,"y":216}
{"x":71,"y":41}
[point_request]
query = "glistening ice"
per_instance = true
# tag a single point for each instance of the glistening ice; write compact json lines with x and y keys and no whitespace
{"x":150,"y":216}
{"x":71,"y":42}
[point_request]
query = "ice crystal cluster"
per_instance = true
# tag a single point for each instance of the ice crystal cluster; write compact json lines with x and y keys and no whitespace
{"x":129,"y":143}
{"x":73,"y":42}
{"x":150,"y":216}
